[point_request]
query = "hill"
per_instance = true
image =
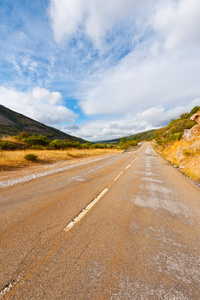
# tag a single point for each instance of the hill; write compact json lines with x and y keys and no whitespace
{"x":175,"y":130}
{"x":12,"y":123}
{"x":179,"y":143}
{"x":142,"y":136}
{"x":138,"y":137}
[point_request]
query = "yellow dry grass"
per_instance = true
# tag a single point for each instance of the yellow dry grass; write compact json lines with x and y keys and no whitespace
{"x":15,"y":159}
{"x":185,"y":155}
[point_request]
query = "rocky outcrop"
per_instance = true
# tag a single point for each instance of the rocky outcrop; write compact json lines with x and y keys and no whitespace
{"x":196,"y":118}
{"x":194,"y":132}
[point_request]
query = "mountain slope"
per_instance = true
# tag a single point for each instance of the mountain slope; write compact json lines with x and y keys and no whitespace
{"x":179,"y":143}
{"x":11,"y":123}
{"x":141,"y":136}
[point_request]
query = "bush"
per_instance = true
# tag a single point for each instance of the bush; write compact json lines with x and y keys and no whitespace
{"x":23,"y":135}
{"x":179,"y":135}
{"x":189,"y":152}
{"x":40,"y":140}
{"x":194,"y":110}
{"x":4,"y":145}
{"x":99,"y":146}
{"x":57,"y":144}
{"x":31,"y":157}
{"x":184,"y":116}
{"x":87,"y":145}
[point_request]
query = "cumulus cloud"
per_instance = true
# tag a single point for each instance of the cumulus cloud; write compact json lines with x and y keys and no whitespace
{"x":131,"y":85}
{"x":38,"y":103}
{"x":178,"y":22}
{"x":95,"y":19}
{"x":156,"y":80}
{"x":125,"y":125}
{"x":130,"y":65}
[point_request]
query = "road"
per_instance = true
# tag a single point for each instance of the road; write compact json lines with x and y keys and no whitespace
{"x":124,"y":227}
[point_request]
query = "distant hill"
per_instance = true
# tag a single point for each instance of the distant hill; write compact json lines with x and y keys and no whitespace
{"x":12,"y":123}
{"x":141,"y":136}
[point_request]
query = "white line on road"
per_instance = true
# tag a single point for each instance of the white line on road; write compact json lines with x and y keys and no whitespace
{"x":127,"y":167}
{"x":118,"y":176}
{"x":134,"y":160}
{"x":91,"y":204}
{"x":85,"y":211}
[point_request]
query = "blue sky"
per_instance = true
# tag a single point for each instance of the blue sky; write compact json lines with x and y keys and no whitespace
{"x":100,"y":69}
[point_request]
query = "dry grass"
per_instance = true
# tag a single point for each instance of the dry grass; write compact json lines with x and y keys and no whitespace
{"x":15,"y":159}
{"x":185,"y":155}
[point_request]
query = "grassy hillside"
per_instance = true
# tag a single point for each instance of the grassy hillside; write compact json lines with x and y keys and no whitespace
{"x":184,"y":154}
{"x":12,"y":123}
{"x":138,"y":137}
{"x":143,"y":136}
{"x":174,"y":131}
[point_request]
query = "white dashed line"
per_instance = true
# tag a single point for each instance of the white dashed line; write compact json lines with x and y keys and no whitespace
{"x":85,"y":211}
{"x":81,"y":215}
{"x":134,"y":160}
{"x":127,"y":167}
{"x":118,"y":176}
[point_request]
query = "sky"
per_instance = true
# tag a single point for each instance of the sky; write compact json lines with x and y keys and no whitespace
{"x":100,"y":69}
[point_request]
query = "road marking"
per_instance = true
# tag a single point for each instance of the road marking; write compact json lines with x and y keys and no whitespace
{"x":134,"y":160}
{"x":85,"y":211}
{"x":10,"y":286}
{"x":118,"y":176}
{"x":127,"y":167}
{"x":81,"y":215}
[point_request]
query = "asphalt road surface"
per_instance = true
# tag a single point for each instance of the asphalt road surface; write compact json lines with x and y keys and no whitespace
{"x":124,"y":227}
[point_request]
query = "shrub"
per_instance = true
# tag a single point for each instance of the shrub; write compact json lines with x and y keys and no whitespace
{"x":4,"y":145}
{"x":57,"y":144}
{"x":184,"y":116}
{"x":30,"y":157}
{"x":189,"y":152}
{"x":40,"y":140}
{"x":99,"y":146}
{"x":179,"y":135}
{"x":194,"y":110}
{"x":87,"y":145}
{"x":38,"y":147}
{"x":23,"y":135}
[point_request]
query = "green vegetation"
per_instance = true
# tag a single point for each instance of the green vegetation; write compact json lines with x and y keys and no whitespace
{"x":143,"y":136}
{"x":31,"y":157}
{"x":4,"y":145}
{"x":41,"y":142}
{"x":125,"y":143}
{"x":174,"y":131}
{"x":189,"y":152}
{"x":18,"y":124}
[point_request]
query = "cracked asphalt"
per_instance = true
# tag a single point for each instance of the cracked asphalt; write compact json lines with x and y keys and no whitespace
{"x":141,"y":239}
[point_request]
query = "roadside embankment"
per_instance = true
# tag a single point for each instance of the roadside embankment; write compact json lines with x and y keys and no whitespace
{"x":185,"y":153}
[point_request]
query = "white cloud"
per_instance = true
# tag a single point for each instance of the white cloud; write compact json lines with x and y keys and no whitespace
{"x":132,"y":65}
{"x":134,"y":85}
{"x":116,"y":127}
{"x":39,"y":104}
{"x":95,"y":19}
{"x":178,"y":22}
{"x":158,"y":77}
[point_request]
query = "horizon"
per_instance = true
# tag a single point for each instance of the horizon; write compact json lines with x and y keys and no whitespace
{"x":100,"y":70}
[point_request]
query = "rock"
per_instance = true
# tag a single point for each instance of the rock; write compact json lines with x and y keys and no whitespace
{"x":179,"y":155}
{"x":196,"y":118}
{"x":194,"y":132}
{"x":190,"y":134}
{"x":181,"y":166}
